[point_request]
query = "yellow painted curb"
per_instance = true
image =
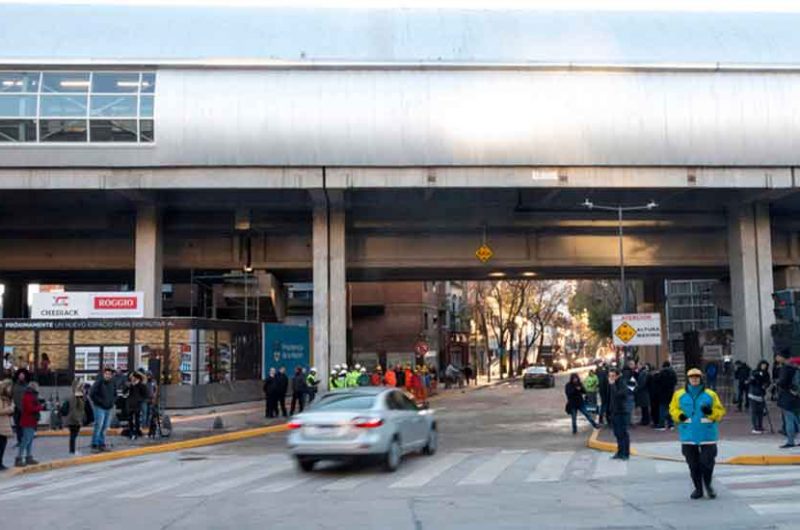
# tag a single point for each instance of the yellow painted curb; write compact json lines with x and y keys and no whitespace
{"x":764,"y":460}
{"x":608,"y":447}
{"x":151,"y":449}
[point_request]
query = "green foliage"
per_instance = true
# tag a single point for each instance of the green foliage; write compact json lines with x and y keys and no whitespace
{"x":600,"y":299}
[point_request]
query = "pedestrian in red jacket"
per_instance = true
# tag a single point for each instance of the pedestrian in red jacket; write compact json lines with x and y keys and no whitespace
{"x":29,"y":419}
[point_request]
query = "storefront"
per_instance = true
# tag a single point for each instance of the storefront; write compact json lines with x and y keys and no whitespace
{"x":186,"y":352}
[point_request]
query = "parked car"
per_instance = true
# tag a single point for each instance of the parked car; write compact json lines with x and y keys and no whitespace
{"x":538,"y":376}
{"x":376,"y":423}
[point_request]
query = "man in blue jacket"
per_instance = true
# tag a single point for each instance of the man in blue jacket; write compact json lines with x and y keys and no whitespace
{"x":697,"y":410}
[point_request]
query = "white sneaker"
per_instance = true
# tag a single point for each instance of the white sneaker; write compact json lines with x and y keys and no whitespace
{"x":756,"y":432}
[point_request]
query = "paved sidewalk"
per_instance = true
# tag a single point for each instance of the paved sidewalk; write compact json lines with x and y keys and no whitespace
{"x":736,"y":439}
{"x":186,"y":425}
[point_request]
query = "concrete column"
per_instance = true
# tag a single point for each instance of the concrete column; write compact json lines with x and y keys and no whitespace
{"x":330,"y":284}
{"x":149,"y":269}
{"x":750,"y":259}
{"x":787,"y":278}
{"x":15,"y":299}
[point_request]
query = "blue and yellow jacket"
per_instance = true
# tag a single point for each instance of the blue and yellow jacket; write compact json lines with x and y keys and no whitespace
{"x":698,"y":428}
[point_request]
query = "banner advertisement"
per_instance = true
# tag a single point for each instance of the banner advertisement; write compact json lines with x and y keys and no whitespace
{"x":286,"y":346}
{"x":88,"y":305}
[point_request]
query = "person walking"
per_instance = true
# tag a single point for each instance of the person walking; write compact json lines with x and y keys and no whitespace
{"x":788,"y":384}
{"x":468,"y":373}
{"x":137,"y":396}
{"x":270,"y":394}
{"x":665,"y":387}
{"x":75,"y":411}
{"x":102,"y":396}
{"x":6,"y":416}
{"x":757,"y":394}
{"x":642,"y":394}
{"x":575,"y":402}
{"x":29,"y":419}
{"x":603,"y":389}
{"x":591,"y":384}
{"x":619,"y":413}
{"x":299,"y":390}
{"x":281,"y":389}
{"x":21,"y":380}
{"x":697,"y":410}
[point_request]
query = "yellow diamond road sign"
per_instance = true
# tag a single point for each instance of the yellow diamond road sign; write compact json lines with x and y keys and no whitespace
{"x":484,"y":253}
{"x":625,"y":332}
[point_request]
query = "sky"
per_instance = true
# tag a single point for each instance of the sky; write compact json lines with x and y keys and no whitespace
{"x":609,"y":5}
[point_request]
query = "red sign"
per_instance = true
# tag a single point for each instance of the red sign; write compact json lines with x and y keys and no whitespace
{"x":115,"y":302}
{"x":421,"y":348}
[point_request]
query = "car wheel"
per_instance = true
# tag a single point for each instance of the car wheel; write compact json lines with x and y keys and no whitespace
{"x":306,"y":464}
{"x":433,"y":443}
{"x":391,"y":460}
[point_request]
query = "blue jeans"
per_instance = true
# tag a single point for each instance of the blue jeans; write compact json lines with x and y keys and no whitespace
{"x":790,"y":421}
{"x":26,"y":445}
{"x":102,"y":419}
{"x":145,"y":415}
{"x":574,"y":414}
{"x":664,"y":419}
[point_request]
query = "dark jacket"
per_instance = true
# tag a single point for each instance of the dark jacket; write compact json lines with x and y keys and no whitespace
{"x":602,"y":380}
{"x":281,"y":385}
{"x":757,"y":384}
{"x":742,"y":374}
{"x":103,"y":393}
{"x":665,"y":384}
{"x":575,"y":392}
{"x":618,"y":398}
{"x":77,"y":411}
{"x":643,"y":381}
{"x":137,"y":395}
{"x":269,"y":386}
{"x":787,"y":398}
{"x":401,"y":377}
{"x":299,"y":385}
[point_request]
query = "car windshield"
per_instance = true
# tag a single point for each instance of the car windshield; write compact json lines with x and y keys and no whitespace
{"x":344,"y":402}
{"x":537,"y":370}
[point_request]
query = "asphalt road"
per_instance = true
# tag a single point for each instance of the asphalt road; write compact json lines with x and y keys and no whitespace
{"x":507,"y":459}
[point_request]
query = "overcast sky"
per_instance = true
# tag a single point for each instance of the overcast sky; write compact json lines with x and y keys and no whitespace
{"x":635,"y":5}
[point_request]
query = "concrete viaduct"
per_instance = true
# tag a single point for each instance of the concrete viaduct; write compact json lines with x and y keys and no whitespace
{"x":394,"y":151}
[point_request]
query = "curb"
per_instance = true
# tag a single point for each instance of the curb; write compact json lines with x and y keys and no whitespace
{"x":176,"y":420}
{"x":743,"y":460}
{"x":148,"y":450}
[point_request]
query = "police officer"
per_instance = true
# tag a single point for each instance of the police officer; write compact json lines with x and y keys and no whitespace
{"x":312,"y":384}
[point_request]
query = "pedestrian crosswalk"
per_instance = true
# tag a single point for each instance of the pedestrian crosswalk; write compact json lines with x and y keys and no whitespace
{"x":769,"y":490}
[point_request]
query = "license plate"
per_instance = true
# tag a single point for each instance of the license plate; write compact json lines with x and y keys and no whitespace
{"x":324,"y":431}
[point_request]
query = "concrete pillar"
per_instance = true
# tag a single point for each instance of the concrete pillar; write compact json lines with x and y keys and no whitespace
{"x":15,"y":299}
{"x":654,"y":301}
{"x":787,"y":278}
{"x":149,"y":270}
{"x":750,"y":259}
{"x":330,"y":284}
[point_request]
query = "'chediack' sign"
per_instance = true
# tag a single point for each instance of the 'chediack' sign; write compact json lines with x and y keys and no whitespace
{"x":88,"y":305}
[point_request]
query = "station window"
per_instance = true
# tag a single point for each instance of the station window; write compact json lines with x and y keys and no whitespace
{"x":77,"y":107}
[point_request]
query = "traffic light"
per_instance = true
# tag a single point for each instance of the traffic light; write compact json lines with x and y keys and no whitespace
{"x":785,"y":307}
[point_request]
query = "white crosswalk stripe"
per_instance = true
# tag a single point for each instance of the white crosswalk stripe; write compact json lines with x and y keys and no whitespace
{"x":282,"y":485}
{"x":424,"y":475}
{"x":551,"y":467}
{"x":183,"y":479}
{"x":607,"y":468}
{"x":239,"y":480}
{"x":771,"y":490}
{"x":489,"y":471}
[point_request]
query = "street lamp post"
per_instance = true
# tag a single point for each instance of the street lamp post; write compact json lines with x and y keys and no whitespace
{"x":620,"y":210}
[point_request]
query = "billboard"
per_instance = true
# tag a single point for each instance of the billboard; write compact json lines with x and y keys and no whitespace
{"x":636,"y":329}
{"x":287,"y":346}
{"x":88,"y":305}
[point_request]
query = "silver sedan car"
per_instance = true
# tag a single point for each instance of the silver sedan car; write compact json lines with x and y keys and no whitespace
{"x":367,"y":422}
